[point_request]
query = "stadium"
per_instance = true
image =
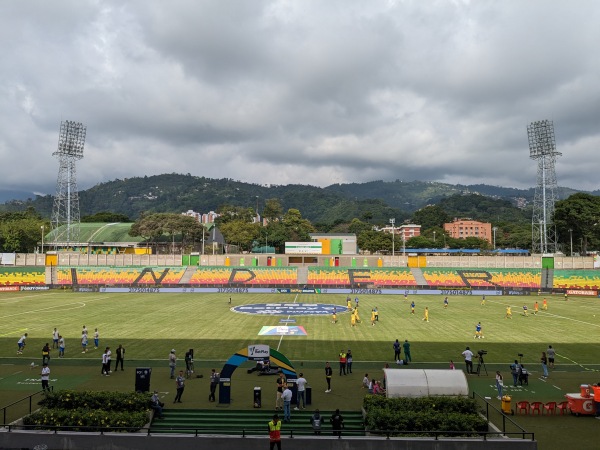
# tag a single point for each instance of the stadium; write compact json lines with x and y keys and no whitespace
{"x":220,"y":305}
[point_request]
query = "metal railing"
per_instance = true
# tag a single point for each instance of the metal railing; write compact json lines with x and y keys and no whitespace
{"x":28,"y":399}
{"x":506,"y":420}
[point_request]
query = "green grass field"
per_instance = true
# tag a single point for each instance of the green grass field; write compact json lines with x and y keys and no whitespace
{"x":149,"y":325}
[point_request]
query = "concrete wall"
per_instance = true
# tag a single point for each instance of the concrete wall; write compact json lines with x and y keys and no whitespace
{"x":398,"y":260}
{"x":120,"y":441}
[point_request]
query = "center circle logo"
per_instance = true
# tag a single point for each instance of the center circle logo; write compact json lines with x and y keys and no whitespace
{"x":290,"y":309}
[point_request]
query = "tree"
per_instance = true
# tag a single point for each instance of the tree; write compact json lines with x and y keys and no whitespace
{"x":297,"y":228}
{"x":240,"y":233}
{"x":581,"y":214}
{"x":431,"y":216}
{"x":273,"y":210}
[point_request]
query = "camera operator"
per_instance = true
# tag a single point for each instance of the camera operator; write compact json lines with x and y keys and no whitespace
{"x":468,"y":355}
{"x":480,"y":361}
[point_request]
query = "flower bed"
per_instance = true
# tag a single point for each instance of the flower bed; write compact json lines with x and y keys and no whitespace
{"x":88,"y":411}
{"x":458,"y":415}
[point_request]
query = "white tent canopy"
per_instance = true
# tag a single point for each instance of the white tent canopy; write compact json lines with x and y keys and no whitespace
{"x":424,"y":382}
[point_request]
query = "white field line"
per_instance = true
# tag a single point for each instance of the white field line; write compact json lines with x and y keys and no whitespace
{"x":289,"y":315}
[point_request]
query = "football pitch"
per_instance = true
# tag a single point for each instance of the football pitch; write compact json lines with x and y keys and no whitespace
{"x":149,"y":325}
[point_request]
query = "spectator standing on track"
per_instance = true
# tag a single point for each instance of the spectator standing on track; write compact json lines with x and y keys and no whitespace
{"x":120,"y":356}
{"x":45,"y":377}
{"x":551,"y":354}
{"x":286,"y":396}
{"x":46,"y":354}
{"x":406,"y":347}
{"x":172,"y":362}
{"x":55,"y":335}
{"x":301,"y":399}
{"x":214,"y":381}
{"x":514,"y":370}
{"x":342,"y":362}
{"x":328,"y":375}
{"x":396,"y":350}
{"x":281,"y":385}
{"x":108,"y":359}
{"x":468,"y":355}
{"x":180,"y":386}
{"x":544,"y":361}
{"x":499,"y":384}
{"x":349,"y":361}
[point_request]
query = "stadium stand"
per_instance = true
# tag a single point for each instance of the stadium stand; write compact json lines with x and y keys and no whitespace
{"x":119,"y":275}
{"x":261,"y":275}
{"x":576,"y":279}
{"x":22,"y":276}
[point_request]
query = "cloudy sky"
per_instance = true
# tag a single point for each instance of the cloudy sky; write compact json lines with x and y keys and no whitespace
{"x":309,"y":92}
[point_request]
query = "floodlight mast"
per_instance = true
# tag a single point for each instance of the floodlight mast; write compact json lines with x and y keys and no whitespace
{"x":65,"y":210}
{"x":542,"y":147}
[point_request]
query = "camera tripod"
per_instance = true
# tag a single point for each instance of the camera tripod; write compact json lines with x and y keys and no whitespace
{"x":480,"y":364}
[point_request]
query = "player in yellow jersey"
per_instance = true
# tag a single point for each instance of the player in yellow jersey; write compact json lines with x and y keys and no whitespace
{"x":352,"y":319}
{"x":349,"y":303}
{"x":373,"y":317}
{"x":357,"y":317}
{"x":334,"y":316}
{"x":508,"y":313}
{"x":426,"y":315}
{"x":483,"y":300}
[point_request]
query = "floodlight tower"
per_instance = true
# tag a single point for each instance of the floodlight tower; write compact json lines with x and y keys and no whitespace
{"x":65,"y":211}
{"x":542,"y":147}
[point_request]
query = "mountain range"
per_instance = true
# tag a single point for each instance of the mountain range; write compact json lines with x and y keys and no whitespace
{"x":378,"y":200}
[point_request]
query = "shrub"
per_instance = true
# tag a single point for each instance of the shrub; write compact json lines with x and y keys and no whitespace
{"x":86,"y":411}
{"x":422,"y":415}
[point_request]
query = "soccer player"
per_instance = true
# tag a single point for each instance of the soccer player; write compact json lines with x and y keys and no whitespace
{"x":373,"y":317}
{"x":426,"y":315}
{"x":525,"y":310}
{"x":352,"y":319}
{"x":508,"y":313}
{"x":445,"y":302}
{"x":412,"y":307}
{"x":483,"y":300}
{"x":96,"y":339}
{"x":566,"y":296}
{"x":545,"y":305}
{"x":405,"y":295}
{"x":21,"y":344}
{"x":536,"y":308}
{"x":376,"y":311}
{"x":348,"y":302}
{"x":356,"y":314}
{"x":334,"y":316}
{"x":478,"y":332}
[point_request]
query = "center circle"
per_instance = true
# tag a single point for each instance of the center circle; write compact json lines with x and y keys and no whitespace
{"x":290,"y":309}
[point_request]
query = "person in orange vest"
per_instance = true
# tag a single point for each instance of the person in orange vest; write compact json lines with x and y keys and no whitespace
{"x":342,"y":362}
{"x":275,"y":433}
{"x":596,"y":389}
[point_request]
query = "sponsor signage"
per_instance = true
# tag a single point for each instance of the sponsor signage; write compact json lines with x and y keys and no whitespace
{"x":9,"y":288}
{"x":290,"y":309}
{"x":582,"y":292}
{"x":258,"y":352}
{"x":303,"y":248}
{"x":282,"y":331}
{"x":34,"y":288}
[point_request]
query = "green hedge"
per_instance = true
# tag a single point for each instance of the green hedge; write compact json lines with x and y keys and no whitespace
{"x":107,"y":401}
{"x":423,"y":415}
{"x":86,"y":411}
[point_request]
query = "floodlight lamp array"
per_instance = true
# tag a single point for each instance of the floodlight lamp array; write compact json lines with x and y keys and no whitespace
{"x":541,"y":139}
{"x":71,"y":139}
